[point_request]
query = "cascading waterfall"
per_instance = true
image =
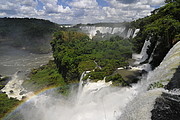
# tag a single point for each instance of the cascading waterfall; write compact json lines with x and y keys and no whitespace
{"x":151,"y":57}
{"x":143,"y":55}
{"x":92,"y":30}
{"x":140,"y":108}
{"x":100,"y":101}
{"x":144,"y":51}
{"x":121,"y":31}
{"x":81,"y":85}
{"x":135,"y":33}
{"x":129,"y":33}
{"x":116,"y":30}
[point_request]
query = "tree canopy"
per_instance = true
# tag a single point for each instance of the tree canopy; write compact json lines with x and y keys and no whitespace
{"x":74,"y":53}
{"x":162,"y":28}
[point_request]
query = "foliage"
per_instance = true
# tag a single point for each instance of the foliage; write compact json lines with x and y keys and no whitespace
{"x":6,"y":104}
{"x":162,"y":27}
{"x":117,"y":80}
{"x":3,"y":81}
{"x":74,"y":53}
{"x":155,"y":85}
{"x":45,"y":76}
{"x":86,"y":66}
{"x":168,"y":1}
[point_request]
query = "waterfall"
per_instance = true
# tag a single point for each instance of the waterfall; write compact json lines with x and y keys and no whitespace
{"x":135,"y":33}
{"x":140,"y":107}
{"x":118,"y":30}
{"x":151,"y":57}
{"x":143,"y":55}
{"x":129,"y":33}
{"x":81,"y":81}
{"x":81,"y":84}
{"x":97,"y":66}
{"x":139,"y":58}
{"x":100,"y":101}
{"x":92,"y":30}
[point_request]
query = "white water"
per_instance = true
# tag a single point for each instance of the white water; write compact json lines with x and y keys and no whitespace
{"x":81,"y":84}
{"x":14,"y":89}
{"x":97,"y":66}
{"x":92,"y":30}
{"x":135,"y":33}
{"x":151,"y":57}
{"x":98,"y":101}
{"x":101,"y":101}
{"x":141,"y":58}
{"x":13,"y":60}
{"x":144,"y":50}
{"x":129,"y":33}
{"x":143,"y":55}
{"x":140,"y":107}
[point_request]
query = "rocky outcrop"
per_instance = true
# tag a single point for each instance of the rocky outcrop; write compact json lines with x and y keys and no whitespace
{"x":3,"y":81}
{"x":175,"y":81}
{"x":167,"y":106}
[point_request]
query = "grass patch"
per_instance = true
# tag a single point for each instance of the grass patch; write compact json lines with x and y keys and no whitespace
{"x":45,"y":76}
{"x":6,"y":104}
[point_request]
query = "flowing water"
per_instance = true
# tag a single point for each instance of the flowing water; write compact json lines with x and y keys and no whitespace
{"x":13,"y":60}
{"x":17,"y":63}
{"x":121,"y":31}
{"x":135,"y":33}
{"x":129,"y":33}
{"x":142,"y":57}
{"x":140,"y":107}
{"x":100,"y":101}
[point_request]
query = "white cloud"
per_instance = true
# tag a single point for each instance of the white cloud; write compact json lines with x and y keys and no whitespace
{"x":51,"y":6}
{"x":86,"y":4}
{"x":153,"y":2}
{"x":79,"y":11}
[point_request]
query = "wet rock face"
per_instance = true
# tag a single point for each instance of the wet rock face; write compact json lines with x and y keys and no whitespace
{"x":3,"y":81}
{"x":175,"y":81}
{"x":167,"y":107}
{"x":159,"y":53}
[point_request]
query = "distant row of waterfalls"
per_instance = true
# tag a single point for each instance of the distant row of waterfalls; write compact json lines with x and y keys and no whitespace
{"x":122,"y":31}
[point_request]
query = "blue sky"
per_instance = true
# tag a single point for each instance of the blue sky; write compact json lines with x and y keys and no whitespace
{"x":64,"y":3}
{"x":79,"y":11}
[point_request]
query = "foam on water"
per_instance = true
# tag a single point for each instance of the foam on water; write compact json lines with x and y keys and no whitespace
{"x":140,"y":108}
{"x":121,"y":31}
{"x":17,"y":63}
{"x":14,"y":89}
{"x":100,"y":101}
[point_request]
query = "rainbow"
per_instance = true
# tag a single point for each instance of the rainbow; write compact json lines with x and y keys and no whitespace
{"x":9,"y":114}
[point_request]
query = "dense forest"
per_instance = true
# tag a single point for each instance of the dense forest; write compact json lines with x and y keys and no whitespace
{"x":74,"y":53}
{"x":162,"y":28}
